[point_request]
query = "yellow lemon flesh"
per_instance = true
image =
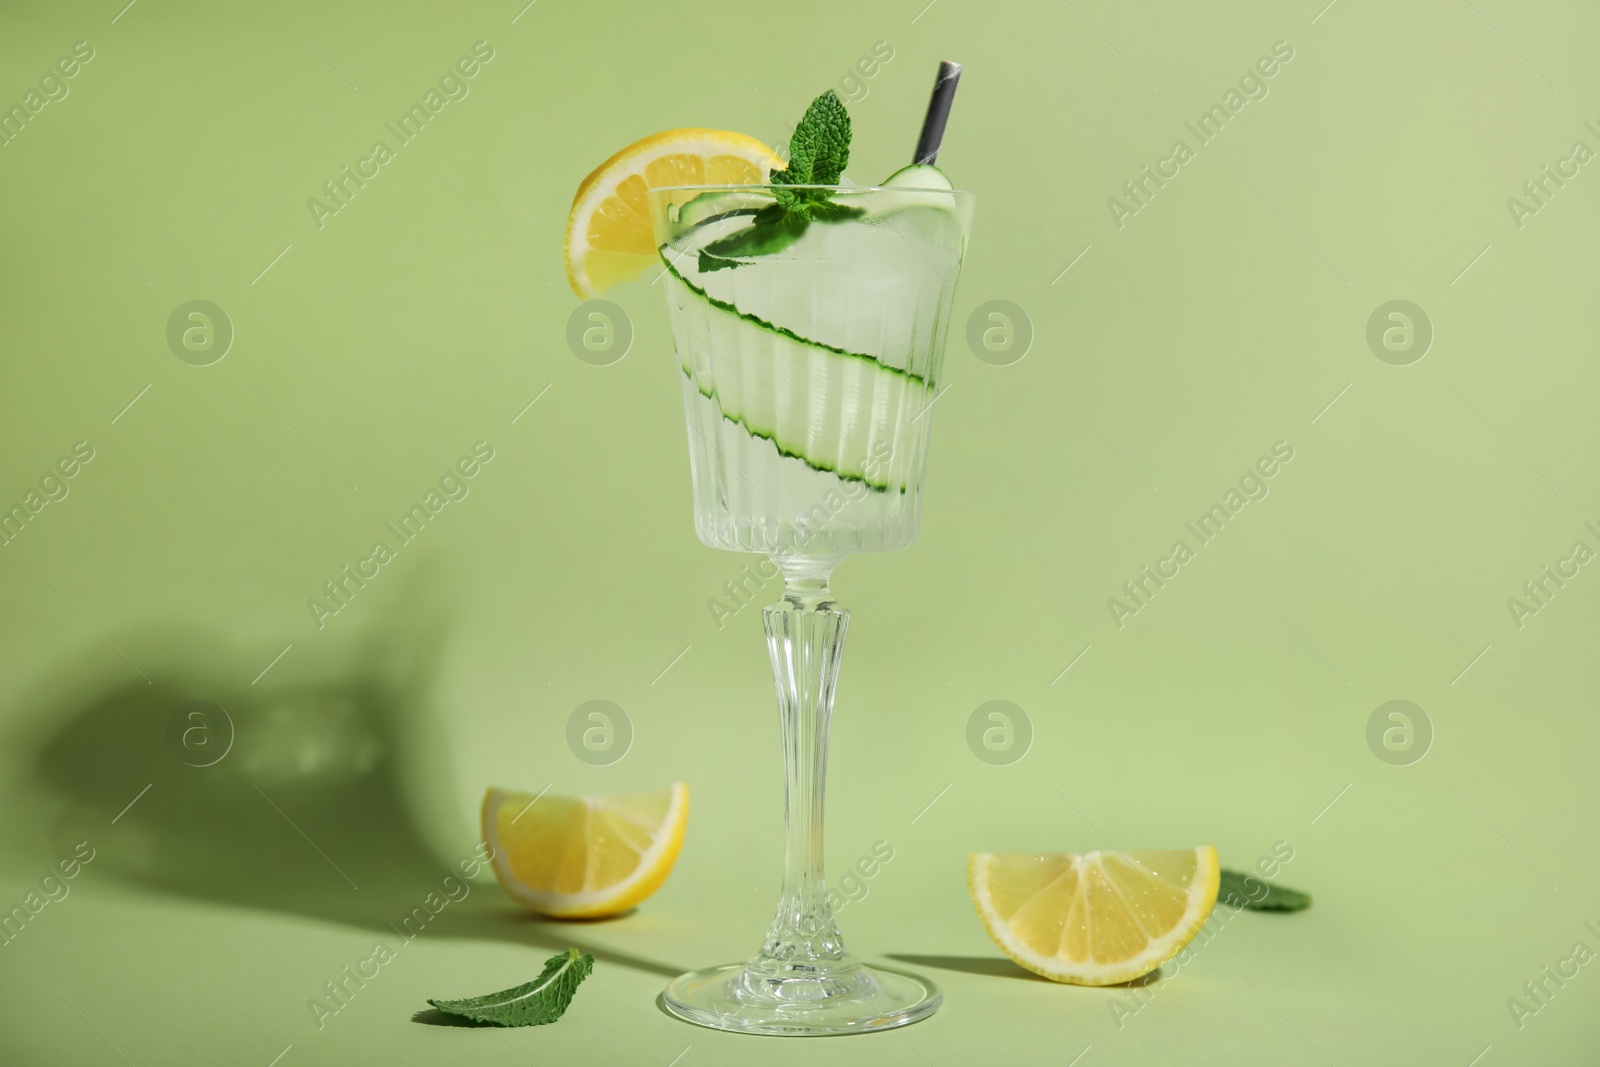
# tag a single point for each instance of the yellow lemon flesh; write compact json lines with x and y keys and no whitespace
{"x":1093,"y":919}
{"x":610,"y":235}
{"x":584,"y":857}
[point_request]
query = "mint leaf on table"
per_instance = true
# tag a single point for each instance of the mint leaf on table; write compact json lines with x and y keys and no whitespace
{"x":1248,"y":891}
{"x":541,"y":1001}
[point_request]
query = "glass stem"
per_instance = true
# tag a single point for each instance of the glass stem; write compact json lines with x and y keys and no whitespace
{"x":804,"y":957}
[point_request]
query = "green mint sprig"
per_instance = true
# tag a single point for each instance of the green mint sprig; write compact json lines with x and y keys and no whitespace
{"x":818,"y":152}
{"x":540,"y":1001}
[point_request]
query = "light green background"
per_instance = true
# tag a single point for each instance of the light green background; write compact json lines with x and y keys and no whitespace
{"x":1224,"y":317}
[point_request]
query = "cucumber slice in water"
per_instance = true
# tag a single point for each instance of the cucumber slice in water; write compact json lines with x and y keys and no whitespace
{"x":826,"y":351}
{"x":837,"y":411}
{"x":714,"y":206}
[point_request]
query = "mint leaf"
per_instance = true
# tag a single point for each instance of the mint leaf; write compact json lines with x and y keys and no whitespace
{"x":541,"y":1001}
{"x":773,"y":229}
{"x":818,"y":151}
{"x":773,"y":233}
{"x":828,"y":211}
{"x":1248,"y":891}
{"x":709,"y":263}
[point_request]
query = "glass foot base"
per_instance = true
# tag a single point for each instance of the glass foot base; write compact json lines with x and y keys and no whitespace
{"x":732,"y":998}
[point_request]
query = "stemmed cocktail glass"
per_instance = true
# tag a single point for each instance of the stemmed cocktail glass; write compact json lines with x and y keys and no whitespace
{"x":809,"y":373}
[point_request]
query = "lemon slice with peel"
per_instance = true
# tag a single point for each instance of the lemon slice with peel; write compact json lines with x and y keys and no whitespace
{"x":610,"y":235}
{"x":584,"y":857}
{"x":1093,"y":919}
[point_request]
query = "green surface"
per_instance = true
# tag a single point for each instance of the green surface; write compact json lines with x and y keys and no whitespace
{"x":1222,"y":317}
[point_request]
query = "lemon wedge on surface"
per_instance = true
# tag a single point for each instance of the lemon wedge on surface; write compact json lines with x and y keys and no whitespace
{"x":584,"y":857}
{"x":1097,"y":918}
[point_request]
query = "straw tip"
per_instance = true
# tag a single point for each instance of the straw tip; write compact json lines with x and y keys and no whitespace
{"x":944,"y":90}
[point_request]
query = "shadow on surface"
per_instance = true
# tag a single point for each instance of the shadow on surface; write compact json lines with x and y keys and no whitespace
{"x":435,"y":1017}
{"x":492,"y":918}
{"x":1143,"y":980}
{"x":988,"y":966}
{"x":1000,"y":967}
{"x":307,"y":797}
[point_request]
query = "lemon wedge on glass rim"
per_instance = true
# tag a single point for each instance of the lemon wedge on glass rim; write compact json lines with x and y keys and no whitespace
{"x":584,"y":857}
{"x":610,"y":235}
{"x":1098,"y":918}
